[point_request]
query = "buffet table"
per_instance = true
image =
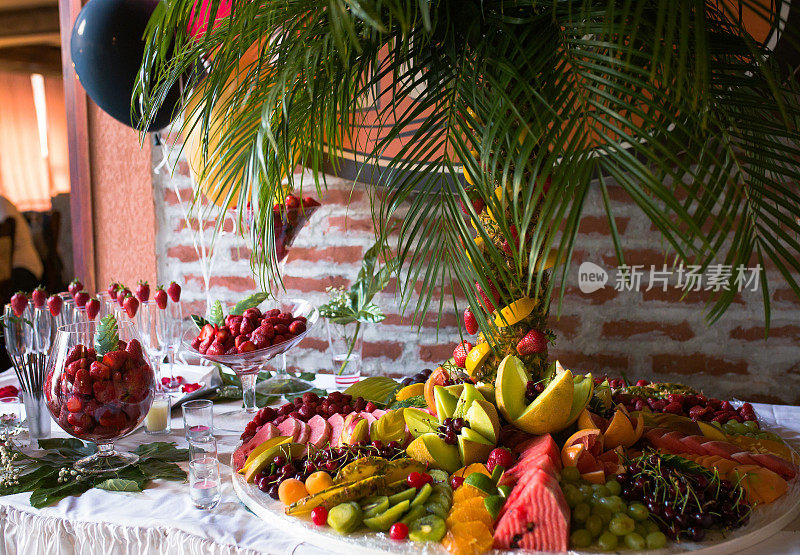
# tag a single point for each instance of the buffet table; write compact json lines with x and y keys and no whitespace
{"x":162,"y":519}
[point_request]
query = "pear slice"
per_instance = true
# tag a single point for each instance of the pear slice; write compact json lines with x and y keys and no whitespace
{"x":473,"y":447}
{"x":419,"y":422}
{"x":512,"y":379}
{"x":432,"y":450}
{"x":483,"y":418}
{"x":445,"y":402}
{"x":468,"y":396}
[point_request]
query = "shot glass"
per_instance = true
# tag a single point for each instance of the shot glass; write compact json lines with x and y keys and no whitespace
{"x":12,"y":416}
{"x":204,"y":482}
{"x":159,"y":421}
{"x":203,"y":448}
{"x":198,"y":419}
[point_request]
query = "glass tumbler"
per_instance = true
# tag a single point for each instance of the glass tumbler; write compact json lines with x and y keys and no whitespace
{"x":198,"y":419}
{"x":204,"y":483}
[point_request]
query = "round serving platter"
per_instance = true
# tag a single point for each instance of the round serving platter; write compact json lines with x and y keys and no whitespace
{"x":764,"y":522}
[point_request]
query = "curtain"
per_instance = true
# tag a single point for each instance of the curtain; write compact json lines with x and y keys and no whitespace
{"x":32,"y":167}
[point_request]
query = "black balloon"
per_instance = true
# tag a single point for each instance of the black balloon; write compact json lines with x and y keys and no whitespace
{"x":107,"y":47}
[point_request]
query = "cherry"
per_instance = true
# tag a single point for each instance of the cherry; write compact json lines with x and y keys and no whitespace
{"x":398,"y":531}
{"x":319,"y":515}
{"x":456,"y":481}
{"x":416,"y":480}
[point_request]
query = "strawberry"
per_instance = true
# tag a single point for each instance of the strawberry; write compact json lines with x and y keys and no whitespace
{"x":460,"y":353}
{"x":92,"y":308}
{"x":470,"y":322}
{"x":131,"y":305}
{"x":291,"y":201}
{"x":208,"y":331}
{"x":310,"y":202}
{"x":506,"y":245}
{"x":74,"y":287}
{"x":143,"y":291}
{"x":39,"y":297}
{"x":81,"y":298}
{"x":112,"y":289}
{"x":122,"y":294}
{"x":19,"y":302}
{"x":160,"y":297}
{"x":475,"y":200}
{"x":174,"y":292}
{"x":534,"y":342}
{"x":486,"y":301}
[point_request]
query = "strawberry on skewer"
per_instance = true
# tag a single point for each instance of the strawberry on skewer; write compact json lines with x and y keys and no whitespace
{"x":39,"y":296}
{"x":19,"y":302}
{"x":81,"y":298}
{"x":74,"y":287}
{"x":174,"y":292}
{"x":131,"y":305}
{"x":160,"y":297}
{"x":92,"y":308}
{"x":54,"y":304}
{"x":143,"y":291}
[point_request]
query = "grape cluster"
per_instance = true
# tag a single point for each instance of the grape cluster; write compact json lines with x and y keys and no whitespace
{"x":685,"y":503}
{"x":601,"y":518}
{"x":420,"y":377}
{"x":748,"y":428}
{"x":331,"y":460}
{"x":449,"y":429}
{"x":532,"y":390}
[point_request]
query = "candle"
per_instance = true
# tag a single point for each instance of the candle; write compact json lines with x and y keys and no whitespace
{"x":157,"y":420}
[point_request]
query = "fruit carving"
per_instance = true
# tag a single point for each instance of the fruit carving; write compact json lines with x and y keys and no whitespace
{"x":464,"y":431}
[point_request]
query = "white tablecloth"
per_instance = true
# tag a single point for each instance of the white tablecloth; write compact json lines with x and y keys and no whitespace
{"x":162,"y":519}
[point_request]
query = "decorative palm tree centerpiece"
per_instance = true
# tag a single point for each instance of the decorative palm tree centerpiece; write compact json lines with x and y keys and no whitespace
{"x":684,"y":106}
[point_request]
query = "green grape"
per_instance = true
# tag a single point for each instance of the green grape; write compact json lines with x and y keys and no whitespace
{"x":573,"y":495}
{"x":635,"y":541}
{"x":581,"y":538}
{"x":601,"y":490}
{"x":751,"y":425}
{"x":650,"y":526}
{"x":638,"y":512}
{"x":614,"y":487}
{"x":737,"y":427}
{"x":621,"y":524}
{"x":586,"y":490}
{"x":581,"y":512}
{"x":607,"y":541}
{"x":656,"y":540}
{"x":604,"y":514}
{"x":570,"y":474}
{"x":614,"y":503}
{"x":641,"y":529}
{"x":594,"y":524}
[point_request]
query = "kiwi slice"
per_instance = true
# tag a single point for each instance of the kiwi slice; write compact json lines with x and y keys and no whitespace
{"x":422,"y":495}
{"x":438,"y":506}
{"x":438,"y":475}
{"x":430,"y":528}
{"x":412,"y":515}
{"x":375,"y":505}
{"x":402,"y":496}
{"x":345,"y":517}
{"x":444,"y":490}
{"x":384,"y":521}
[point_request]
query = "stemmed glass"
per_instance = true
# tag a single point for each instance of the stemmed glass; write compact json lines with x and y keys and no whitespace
{"x":152,"y":323}
{"x":247,"y":365}
{"x":173,"y":329}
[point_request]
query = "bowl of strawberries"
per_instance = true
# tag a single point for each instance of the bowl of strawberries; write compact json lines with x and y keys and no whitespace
{"x":99,"y":386}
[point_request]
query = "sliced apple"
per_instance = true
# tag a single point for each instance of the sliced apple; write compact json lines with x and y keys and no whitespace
{"x":512,"y":379}
{"x":419,"y":422}
{"x":445,"y":402}
{"x":483,"y":418}
{"x":550,"y":411}
{"x":356,"y":432}
{"x":432,"y":450}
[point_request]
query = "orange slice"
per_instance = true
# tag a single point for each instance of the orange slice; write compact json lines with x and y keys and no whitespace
{"x":468,"y":538}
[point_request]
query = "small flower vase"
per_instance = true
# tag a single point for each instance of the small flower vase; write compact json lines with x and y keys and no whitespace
{"x":346,"y":344}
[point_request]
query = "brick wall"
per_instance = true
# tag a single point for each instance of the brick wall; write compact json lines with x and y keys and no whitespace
{"x":651,"y":334}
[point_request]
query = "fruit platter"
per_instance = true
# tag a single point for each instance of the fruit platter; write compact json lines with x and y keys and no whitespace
{"x":444,"y":463}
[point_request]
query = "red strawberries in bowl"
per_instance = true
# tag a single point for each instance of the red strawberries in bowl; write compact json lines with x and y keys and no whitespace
{"x":250,"y":331}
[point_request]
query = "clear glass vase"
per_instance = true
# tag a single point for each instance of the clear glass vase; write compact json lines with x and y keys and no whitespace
{"x":346,"y":345}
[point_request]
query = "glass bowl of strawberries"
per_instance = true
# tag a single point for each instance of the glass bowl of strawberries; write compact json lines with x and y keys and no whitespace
{"x":99,"y":386}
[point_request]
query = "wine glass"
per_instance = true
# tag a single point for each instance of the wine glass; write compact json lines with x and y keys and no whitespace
{"x":248,"y":365}
{"x":152,"y":324}
{"x":173,"y":333}
{"x":99,"y":401}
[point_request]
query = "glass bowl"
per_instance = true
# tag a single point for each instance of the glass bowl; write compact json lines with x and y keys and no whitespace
{"x":99,"y":398}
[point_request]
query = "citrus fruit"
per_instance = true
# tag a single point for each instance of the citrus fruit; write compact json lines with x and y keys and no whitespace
{"x":466,"y":492}
{"x":467,"y":514}
{"x":620,"y":430}
{"x":468,"y":537}
{"x":318,"y":481}
{"x":515,"y":312}
{"x":465,"y":471}
{"x":413,"y":390}
{"x":291,"y":490}
{"x":477,"y":357}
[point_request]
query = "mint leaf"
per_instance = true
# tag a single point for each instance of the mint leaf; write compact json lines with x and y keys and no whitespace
{"x":199,"y":321}
{"x":106,"y":338}
{"x":118,"y":484}
{"x":250,"y":302}
{"x":217,"y":314}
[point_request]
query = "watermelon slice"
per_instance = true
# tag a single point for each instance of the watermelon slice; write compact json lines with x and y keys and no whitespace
{"x":694,"y":444}
{"x":337,"y":423}
{"x":267,"y":431}
{"x":721,"y":448}
{"x":537,"y":519}
{"x":775,"y":464}
{"x":542,"y":445}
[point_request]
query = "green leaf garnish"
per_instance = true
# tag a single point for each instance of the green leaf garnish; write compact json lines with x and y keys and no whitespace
{"x":217,"y":314}
{"x":250,"y":302}
{"x":106,"y":338}
{"x":199,"y":321}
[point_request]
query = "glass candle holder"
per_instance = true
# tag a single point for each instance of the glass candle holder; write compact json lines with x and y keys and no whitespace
{"x":204,"y":447}
{"x":198,"y":419}
{"x":12,"y":416}
{"x":204,"y":483}
{"x":159,"y":420}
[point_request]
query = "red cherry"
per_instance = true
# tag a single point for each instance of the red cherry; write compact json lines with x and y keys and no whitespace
{"x":416,"y":480}
{"x":427,"y":478}
{"x":456,"y":481}
{"x":398,"y":531}
{"x":319,"y":516}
